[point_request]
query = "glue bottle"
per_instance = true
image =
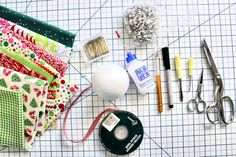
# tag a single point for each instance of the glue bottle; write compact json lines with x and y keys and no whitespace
{"x":139,"y":73}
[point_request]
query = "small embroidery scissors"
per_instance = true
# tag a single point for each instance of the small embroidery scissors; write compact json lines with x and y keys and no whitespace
{"x":197,"y":101}
{"x":217,"y":108}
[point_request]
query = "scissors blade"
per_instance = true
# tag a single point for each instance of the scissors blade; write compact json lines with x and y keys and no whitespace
{"x":201,"y":77}
{"x":210,"y":59}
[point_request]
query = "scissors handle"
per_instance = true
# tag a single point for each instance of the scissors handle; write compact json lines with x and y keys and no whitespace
{"x":191,"y":105}
{"x":227,"y":100}
{"x":218,"y":107}
{"x":201,"y":103}
{"x":194,"y":104}
{"x":215,"y":108}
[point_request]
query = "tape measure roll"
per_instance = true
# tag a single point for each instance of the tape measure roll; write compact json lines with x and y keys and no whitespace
{"x":121,"y":132}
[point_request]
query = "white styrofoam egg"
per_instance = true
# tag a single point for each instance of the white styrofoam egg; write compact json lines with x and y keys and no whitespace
{"x":110,"y":81}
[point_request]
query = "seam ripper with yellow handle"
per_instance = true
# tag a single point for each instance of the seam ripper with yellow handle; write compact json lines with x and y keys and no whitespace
{"x":158,"y":83}
{"x":190,"y":72}
{"x":179,"y":74}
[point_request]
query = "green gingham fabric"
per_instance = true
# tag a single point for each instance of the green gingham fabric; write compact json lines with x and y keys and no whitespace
{"x":11,"y":118}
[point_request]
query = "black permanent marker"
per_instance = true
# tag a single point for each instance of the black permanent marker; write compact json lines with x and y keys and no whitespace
{"x":166,"y":60}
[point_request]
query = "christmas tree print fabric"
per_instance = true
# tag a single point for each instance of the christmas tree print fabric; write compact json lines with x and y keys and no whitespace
{"x":59,"y":93}
{"x":11,"y":118}
{"x":14,"y":46}
{"x":9,"y":42}
{"x":34,"y":93}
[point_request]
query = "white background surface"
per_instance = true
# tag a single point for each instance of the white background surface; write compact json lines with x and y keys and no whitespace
{"x":174,"y":132}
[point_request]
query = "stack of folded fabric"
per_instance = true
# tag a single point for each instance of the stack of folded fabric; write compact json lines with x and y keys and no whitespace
{"x":33,"y":88}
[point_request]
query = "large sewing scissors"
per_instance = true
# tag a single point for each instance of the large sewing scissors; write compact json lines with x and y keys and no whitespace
{"x":217,"y":107}
{"x":194,"y":103}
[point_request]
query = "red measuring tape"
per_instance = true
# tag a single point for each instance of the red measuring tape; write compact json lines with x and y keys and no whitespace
{"x":92,"y":126}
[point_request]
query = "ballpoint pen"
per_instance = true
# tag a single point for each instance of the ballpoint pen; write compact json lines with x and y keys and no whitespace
{"x":166,"y":59}
{"x":158,"y":83}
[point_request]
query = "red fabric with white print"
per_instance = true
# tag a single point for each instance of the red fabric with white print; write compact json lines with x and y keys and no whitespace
{"x":10,"y":63}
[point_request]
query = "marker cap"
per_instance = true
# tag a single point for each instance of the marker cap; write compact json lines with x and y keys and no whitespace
{"x":166,"y":58}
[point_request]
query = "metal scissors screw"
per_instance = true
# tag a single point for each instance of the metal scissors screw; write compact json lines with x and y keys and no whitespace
{"x":219,"y":100}
{"x":197,"y":101}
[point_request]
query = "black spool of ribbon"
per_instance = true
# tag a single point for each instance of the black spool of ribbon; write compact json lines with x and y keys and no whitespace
{"x":121,"y":132}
